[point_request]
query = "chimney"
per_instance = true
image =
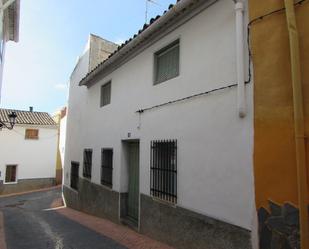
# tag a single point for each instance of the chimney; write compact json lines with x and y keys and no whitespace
{"x":30,"y":108}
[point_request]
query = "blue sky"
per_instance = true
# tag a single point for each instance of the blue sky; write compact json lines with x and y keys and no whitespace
{"x":53,"y":33}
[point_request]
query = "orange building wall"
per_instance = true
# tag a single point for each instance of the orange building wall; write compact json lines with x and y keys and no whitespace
{"x":274,"y":146}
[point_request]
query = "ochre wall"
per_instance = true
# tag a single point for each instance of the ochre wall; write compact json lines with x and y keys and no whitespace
{"x":274,"y":146}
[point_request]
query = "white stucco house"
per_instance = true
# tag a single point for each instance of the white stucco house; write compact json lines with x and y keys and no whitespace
{"x":28,"y":152}
{"x":9,"y":28}
{"x":160,"y":133}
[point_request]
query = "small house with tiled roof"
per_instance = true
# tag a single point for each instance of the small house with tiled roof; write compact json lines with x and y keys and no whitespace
{"x":28,"y":151}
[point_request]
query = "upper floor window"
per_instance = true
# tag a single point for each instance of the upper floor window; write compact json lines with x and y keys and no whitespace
{"x":106,"y":94}
{"x":32,"y":134}
{"x":166,"y":63}
{"x":87,"y":163}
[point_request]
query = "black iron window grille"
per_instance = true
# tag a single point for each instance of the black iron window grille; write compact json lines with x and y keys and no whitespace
{"x":163,"y":170}
{"x":74,"y":175}
{"x":107,"y":167}
{"x":87,"y":163}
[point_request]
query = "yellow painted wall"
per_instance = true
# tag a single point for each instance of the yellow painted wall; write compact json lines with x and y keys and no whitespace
{"x":274,"y":146}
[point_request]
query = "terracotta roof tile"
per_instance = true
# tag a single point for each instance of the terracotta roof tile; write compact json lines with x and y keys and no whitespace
{"x":147,"y":25}
{"x":27,"y":117}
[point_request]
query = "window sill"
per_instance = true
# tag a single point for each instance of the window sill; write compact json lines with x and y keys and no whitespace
{"x":155,"y":83}
{"x":156,"y":199}
{"x":10,"y":183}
{"x":73,"y":189}
{"x":106,"y":187}
{"x":87,"y":178}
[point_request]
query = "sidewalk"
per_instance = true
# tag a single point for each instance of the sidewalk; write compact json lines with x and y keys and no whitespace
{"x":118,"y":233}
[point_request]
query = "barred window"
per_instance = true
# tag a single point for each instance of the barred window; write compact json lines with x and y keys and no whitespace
{"x":10,"y":174}
{"x":74,"y":175}
{"x":32,"y":134}
{"x":167,"y":63}
{"x":106,"y":94}
{"x":107,"y":167}
{"x":163,"y":170}
{"x":87,"y":163}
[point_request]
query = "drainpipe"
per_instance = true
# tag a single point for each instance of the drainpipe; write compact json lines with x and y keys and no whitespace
{"x":300,"y":139}
{"x":239,"y":9}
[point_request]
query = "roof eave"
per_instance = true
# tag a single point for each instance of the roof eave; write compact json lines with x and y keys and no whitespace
{"x":131,"y":47}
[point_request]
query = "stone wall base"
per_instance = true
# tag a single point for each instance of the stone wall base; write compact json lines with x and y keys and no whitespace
{"x":279,"y":227}
{"x":175,"y":226}
{"x":26,"y":185}
{"x":93,"y":199}
{"x":185,"y":229}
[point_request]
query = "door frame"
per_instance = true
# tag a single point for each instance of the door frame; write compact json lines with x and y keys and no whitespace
{"x":125,"y":177}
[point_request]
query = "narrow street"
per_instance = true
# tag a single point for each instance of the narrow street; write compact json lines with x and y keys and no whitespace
{"x":30,"y":223}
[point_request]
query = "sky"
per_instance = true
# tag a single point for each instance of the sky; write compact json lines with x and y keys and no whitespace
{"x":53,"y":33}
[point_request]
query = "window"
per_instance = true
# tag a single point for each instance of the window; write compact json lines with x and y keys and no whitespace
{"x":32,"y":134}
{"x":107,"y":167}
{"x":163,"y":170}
{"x":87,"y":163}
{"x":74,"y":175}
{"x":10,"y":174}
{"x":106,"y":94}
{"x":166,"y":63}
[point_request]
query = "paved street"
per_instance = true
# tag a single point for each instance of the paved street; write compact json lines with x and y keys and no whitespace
{"x":28,"y":226}
{"x":38,"y":220}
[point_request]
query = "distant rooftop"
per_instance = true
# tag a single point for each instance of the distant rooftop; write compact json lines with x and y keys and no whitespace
{"x":27,"y":117}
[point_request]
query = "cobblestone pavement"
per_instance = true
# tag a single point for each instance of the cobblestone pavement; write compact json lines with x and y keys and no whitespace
{"x":35,"y":221}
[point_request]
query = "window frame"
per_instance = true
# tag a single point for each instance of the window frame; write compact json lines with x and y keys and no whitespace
{"x":163,"y":166}
{"x":27,"y":137}
{"x":16,"y":174}
{"x":89,"y":175}
{"x":105,"y":85}
{"x":161,"y":51}
{"x":105,"y":183}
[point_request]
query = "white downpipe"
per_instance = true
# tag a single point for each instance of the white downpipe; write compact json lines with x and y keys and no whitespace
{"x":239,"y":8}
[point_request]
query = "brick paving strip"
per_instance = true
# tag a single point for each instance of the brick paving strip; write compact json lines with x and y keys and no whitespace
{"x":118,"y":233}
{"x":2,"y":234}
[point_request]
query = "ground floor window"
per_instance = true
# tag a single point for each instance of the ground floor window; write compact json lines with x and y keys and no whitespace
{"x":87,"y":163}
{"x":107,"y":167}
{"x":163,"y":170}
{"x":74,"y":175}
{"x":10,"y":173}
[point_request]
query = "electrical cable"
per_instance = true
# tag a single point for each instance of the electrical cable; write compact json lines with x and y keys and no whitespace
{"x":140,"y":111}
{"x":186,"y":98}
{"x":249,"y":31}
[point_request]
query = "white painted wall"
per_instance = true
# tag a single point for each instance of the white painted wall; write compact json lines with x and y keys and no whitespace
{"x":215,"y":146}
{"x":35,"y":158}
{"x":62,"y":137}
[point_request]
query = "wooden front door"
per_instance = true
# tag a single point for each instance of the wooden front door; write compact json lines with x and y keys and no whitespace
{"x":133,"y":193}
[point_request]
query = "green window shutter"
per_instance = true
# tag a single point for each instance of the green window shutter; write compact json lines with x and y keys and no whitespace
{"x":167,"y":63}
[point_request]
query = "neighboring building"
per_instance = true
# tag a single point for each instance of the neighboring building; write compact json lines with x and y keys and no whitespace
{"x":154,"y":138}
{"x":281,"y":187}
{"x":28,"y":152}
{"x":9,"y":28}
{"x":60,"y":118}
